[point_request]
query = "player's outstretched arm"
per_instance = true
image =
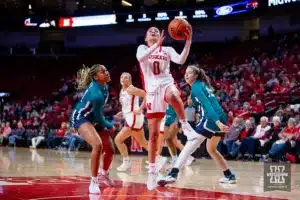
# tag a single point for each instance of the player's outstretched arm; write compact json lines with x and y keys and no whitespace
{"x":180,"y":59}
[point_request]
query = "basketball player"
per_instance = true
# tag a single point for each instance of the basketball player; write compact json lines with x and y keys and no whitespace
{"x":134,"y":118}
{"x":88,"y":119}
{"x":159,"y":84}
{"x":212,"y":121}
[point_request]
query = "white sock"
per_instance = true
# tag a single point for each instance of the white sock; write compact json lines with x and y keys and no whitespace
{"x":94,"y":179}
{"x":189,"y":148}
{"x":126,"y":159}
{"x":152,"y":167}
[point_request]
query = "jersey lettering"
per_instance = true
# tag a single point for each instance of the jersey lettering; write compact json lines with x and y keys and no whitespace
{"x":210,"y":92}
{"x":156,"y":69}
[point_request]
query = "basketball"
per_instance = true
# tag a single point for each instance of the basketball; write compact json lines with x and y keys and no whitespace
{"x":177,"y":28}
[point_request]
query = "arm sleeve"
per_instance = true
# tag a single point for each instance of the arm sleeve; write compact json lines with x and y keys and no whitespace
{"x":143,"y":52}
{"x":199,"y":93}
{"x":180,"y":59}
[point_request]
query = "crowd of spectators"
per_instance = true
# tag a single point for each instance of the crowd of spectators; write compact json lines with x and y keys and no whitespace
{"x":257,"y":83}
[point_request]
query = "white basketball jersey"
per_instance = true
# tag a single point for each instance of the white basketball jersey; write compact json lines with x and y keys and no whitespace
{"x":129,"y":102}
{"x":155,"y":69}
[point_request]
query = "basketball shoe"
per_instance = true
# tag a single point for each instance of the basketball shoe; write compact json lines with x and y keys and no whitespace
{"x":94,"y":186}
{"x":228,"y":179}
{"x":124,"y":166}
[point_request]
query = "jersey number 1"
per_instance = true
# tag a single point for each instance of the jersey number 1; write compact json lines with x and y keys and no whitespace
{"x":156,"y":69}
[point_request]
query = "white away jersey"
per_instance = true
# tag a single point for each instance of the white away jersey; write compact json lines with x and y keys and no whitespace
{"x":155,"y":68}
{"x":129,"y":102}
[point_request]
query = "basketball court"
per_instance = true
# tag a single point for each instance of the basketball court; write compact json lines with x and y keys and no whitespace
{"x":45,"y":174}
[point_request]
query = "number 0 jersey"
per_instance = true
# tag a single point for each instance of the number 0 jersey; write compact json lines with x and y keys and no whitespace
{"x":155,"y":68}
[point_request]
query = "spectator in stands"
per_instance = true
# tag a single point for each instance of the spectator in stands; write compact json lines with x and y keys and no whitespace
{"x":14,"y":124}
{"x":231,"y":136}
{"x":258,"y":108}
{"x":42,"y":115}
{"x":287,"y":113}
{"x":295,"y":158}
{"x":273,"y":81}
{"x":54,"y":141}
{"x":246,"y":132}
{"x":253,"y":100}
{"x":285,"y":142}
{"x":251,"y":144}
{"x":75,"y":141}
{"x":272,"y":135}
{"x":34,"y":114}
{"x":1,"y":133}
{"x":28,"y":121}
{"x":191,"y":113}
{"x":42,"y":135}
{"x":16,"y":134}
{"x":29,"y":134}
{"x":245,"y":113}
{"x":36,"y":123}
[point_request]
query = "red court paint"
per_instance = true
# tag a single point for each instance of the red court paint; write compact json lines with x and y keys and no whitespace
{"x":76,"y":188}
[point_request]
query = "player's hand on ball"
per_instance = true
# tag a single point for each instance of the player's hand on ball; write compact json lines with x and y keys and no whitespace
{"x":189,"y":33}
{"x":161,"y":38}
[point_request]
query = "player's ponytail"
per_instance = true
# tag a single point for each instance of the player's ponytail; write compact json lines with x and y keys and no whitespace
{"x":201,"y":75}
{"x":85,"y":76}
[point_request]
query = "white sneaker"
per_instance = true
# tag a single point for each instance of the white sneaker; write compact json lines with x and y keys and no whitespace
{"x":106,"y":180}
{"x":94,"y":187}
{"x":188,"y":131}
{"x":166,"y":180}
{"x":151,"y":182}
{"x":189,"y":160}
{"x":125,"y":166}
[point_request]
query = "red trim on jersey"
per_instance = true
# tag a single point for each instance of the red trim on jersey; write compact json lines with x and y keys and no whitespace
{"x":132,"y":103}
{"x":161,"y":132}
{"x":155,"y":115}
{"x":142,"y":77}
{"x":134,"y":119}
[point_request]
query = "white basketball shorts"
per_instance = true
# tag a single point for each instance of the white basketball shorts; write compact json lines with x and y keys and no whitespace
{"x":134,"y":121}
{"x":155,"y":101}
